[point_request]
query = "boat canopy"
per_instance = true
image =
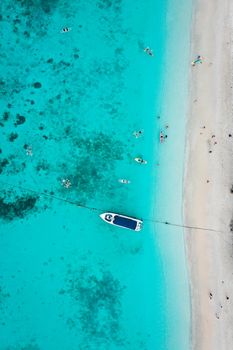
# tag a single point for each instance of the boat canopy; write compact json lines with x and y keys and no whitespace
{"x":125,"y":222}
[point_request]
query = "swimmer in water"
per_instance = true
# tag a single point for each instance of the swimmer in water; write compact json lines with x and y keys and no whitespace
{"x":65,"y":30}
{"x":148,"y":51}
{"x":29,"y":151}
{"x":137,"y":134}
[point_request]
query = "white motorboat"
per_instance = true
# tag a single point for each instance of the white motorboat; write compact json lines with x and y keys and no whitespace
{"x":122,"y":221}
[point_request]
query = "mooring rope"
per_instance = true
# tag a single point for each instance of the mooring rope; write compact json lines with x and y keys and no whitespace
{"x":102,"y":210}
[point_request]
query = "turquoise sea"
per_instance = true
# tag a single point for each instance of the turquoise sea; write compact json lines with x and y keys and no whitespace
{"x":69,"y":105}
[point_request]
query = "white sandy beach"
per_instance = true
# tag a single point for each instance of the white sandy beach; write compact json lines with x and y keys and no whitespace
{"x":208,"y":202}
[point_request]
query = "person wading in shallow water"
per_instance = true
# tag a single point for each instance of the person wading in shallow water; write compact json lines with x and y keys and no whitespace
{"x":137,"y":134}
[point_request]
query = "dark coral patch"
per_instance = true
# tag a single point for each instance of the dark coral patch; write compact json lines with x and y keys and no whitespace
{"x":3,"y":163}
{"x":87,"y":175}
{"x":4,"y":295}
{"x":19,"y":208}
{"x":26,"y":34}
{"x":37,"y":85}
{"x":97,"y":295}
{"x":47,"y":6}
{"x":42,"y":166}
{"x":13,"y":136}
{"x":6,"y":116}
{"x":20,"y":119}
{"x":104,"y":4}
{"x":16,"y":21}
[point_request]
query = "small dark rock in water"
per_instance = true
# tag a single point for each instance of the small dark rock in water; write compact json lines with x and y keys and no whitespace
{"x":5,"y":116}
{"x":26,"y":34}
{"x":13,"y":136}
{"x":37,"y":85}
{"x":3,"y":164}
{"x":42,"y":165}
{"x":0,"y":150}
{"x":9,"y":105}
{"x":20,"y":119}
{"x":50,"y":60}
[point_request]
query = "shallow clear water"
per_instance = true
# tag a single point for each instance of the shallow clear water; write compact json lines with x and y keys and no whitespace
{"x":68,"y":280}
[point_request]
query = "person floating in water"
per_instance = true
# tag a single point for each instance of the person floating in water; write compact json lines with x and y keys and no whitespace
{"x":148,"y":51}
{"x":124,"y":181}
{"x":199,"y":59}
{"x":29,"y":151}
{"x":138,"y":134}
{"x":65,"y":30}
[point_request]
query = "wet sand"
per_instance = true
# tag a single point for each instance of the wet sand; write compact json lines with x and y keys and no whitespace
{"x":208,"y":201}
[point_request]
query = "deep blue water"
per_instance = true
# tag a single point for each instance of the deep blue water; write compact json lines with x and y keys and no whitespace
{"x":70,"y":103}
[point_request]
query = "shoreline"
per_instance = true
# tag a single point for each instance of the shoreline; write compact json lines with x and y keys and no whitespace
{"x":208,"y":201}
